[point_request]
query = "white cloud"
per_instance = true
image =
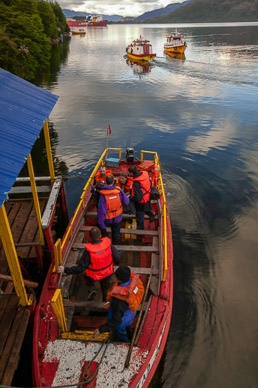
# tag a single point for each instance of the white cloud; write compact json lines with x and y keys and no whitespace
{"x":111,"y":7}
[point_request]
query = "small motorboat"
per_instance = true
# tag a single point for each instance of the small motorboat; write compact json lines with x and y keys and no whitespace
{"x":64,"y":350}
{"x":175,"y":44}
{"x":140,"y":49}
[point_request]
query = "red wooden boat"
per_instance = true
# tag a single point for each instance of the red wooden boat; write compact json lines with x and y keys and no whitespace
{"x":64,"y":352}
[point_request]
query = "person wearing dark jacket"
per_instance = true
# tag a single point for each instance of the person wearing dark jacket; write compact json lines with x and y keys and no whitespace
{"x":141,"y":195}
{"x":125,"y":297}
{"x":97,"y":262}
{"x":111,"y":202}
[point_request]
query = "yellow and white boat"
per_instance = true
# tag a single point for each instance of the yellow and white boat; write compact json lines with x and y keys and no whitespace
{"x":140,"y":49}
{"x":175,"y":44}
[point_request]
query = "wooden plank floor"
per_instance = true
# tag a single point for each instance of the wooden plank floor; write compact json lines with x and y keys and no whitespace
{"x":23,"y":222}
{"x":14,"y":320}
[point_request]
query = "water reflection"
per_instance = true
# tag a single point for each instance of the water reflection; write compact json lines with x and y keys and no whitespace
{"x":176,"y":56}
{"x":39,"y":156}
{"x":139,"y":67}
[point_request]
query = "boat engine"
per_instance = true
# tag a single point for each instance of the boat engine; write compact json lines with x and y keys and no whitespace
{"x":130,"y":155}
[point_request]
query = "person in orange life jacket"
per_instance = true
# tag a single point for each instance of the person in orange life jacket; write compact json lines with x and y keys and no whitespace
{"x":111,"y":202}
{"x":141,"y":195}
{"x":97,"y":262}
{"x":125,"y":297}
{"x":126,"y":183}
{"x":99,"y":181}
{"x":102,"y":174}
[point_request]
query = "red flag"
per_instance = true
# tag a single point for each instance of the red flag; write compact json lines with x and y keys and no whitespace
{"x":109,"y":130}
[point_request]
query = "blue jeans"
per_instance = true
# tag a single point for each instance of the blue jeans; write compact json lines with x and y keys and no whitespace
{"x":120,"y":332}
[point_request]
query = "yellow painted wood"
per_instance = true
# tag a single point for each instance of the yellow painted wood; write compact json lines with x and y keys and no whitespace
{"x":49,"y":152}
{"x":35,"y":198}
{"x":85,"y":336}
{"x":145,"y":58}
{"x":132,"y":226}
{"x":58,"y":307}
{"x":57,"y":254}
{"x":12,"y":258}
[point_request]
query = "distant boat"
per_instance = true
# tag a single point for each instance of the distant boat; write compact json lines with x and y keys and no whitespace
{"x":77,"y":26}
{"x":175,"y":44}
{"x":97,"y":21}
{"x":140,"y":49}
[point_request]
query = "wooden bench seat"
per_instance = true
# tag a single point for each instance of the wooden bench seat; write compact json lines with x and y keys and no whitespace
{"x":89,"y":305}
{"x":125,"y":216}
{"x":126,"y":248}
{"x":137,"y":232}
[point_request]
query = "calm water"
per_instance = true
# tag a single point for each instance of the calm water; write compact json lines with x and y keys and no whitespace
{"x":201,"y":115}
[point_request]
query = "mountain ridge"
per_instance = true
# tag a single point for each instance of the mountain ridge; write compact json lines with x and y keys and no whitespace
{"x":211,"y":11}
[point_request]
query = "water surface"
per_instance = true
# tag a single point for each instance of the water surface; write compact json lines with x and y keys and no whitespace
{"x":200,"y":114}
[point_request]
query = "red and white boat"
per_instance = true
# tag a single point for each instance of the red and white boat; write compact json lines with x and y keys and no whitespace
{"x":64,"y":352}
{"x":97,"y":21}
{"x":77,"y":26}
{"x":140,"y":49}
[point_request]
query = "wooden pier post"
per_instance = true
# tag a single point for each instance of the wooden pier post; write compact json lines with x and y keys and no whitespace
{"x":35,"y":198}
{"x":12,"y":258}
{"x":49,"y":152}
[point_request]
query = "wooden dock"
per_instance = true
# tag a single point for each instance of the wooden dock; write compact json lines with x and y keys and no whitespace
{"x":23,"y":222}
{"x":14,"y":320}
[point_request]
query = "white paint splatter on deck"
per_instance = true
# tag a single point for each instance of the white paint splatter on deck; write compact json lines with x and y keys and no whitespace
{"x":73,"y":355}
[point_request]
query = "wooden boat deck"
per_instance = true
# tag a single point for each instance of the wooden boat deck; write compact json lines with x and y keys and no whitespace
{"x":14,"y":320}
{"x":139,"y":249}
{"x":23,"y":222}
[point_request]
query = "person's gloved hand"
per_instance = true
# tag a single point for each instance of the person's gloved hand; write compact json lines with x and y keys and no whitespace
{"x":104,"y":232}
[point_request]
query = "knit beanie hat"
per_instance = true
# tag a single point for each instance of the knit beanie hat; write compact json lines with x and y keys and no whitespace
{"x":123,"y":274}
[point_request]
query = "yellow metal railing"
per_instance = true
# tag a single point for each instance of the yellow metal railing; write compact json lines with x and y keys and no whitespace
{"x":164,"y":214}
{"x":164,"y":211}
{"x":156,"y":157}
{"x":58,"y":307}
{"x":80,"y":207}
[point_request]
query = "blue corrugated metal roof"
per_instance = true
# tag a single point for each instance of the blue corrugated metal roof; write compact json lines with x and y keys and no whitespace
{"x":24,"y":109}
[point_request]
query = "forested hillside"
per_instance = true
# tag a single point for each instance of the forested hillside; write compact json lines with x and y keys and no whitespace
{"x":27,"y":28}
{"x":212,"y":11}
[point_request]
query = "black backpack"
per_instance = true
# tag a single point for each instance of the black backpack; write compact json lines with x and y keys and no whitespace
{"x":154,"y":193}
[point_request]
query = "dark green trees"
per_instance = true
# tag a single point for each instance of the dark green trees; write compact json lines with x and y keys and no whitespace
{"x":27,"y":28}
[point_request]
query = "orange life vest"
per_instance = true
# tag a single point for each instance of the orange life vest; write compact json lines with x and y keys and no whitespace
{"x":128,"y":185}
{"x":98,"y":178}
{"x":145,"y":186}
{"x":131,"y":294}
{"x":155,"y":175}
{"x":114,"y":205}
{"x":101,"y":259}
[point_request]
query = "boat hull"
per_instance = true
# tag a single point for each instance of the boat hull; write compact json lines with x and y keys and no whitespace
{"x":175,"y":49}
{"x":58,"y":361}
{"x":141,"y":57}
{"x":101,"y":23}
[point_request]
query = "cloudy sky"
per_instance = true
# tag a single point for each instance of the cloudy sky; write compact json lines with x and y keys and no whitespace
{"x":115,"y":7}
